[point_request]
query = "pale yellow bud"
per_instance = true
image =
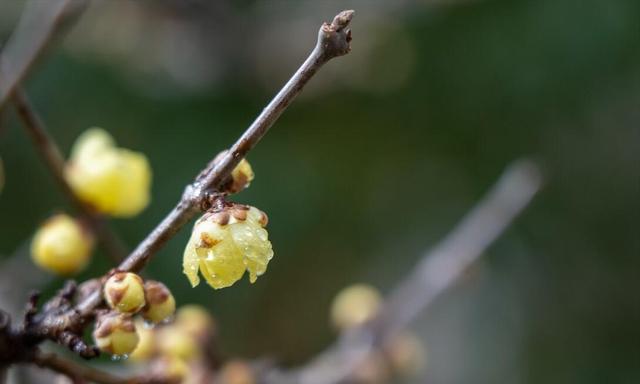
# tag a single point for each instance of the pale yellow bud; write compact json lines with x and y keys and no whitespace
{"x":226,"y":243}
{"x":354,"y":305}
{"x":116,"y":334}
{"x":160,"y":302}
{"x":61,"y":245}
{"x":241,"y":176}
{"x":176,"y":342}
{"x":146,"y":346}
{"x":124,"y":292}
{"x":196,"y":321}
{"x":114,"y":180}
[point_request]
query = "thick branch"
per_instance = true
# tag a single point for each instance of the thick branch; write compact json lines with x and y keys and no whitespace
{"x":438,"y":270}
{"x":77,"y":372}
{"x":50,"y":154}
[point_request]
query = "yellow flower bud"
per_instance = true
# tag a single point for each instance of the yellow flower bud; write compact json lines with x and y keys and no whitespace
{"x":354,"y":305}
{"x":406,"y":354}
{"x":116,"y":334}
{"x":176,"y":342}
{"x":241,"y":176}
{"x":61,"y":245}
{"x":196,"y":321}
{"x":114,"y":180}
{"x":160,"y":302}
{"x":237,"y":372}
{"x":146,"y":345}
{"x":124,"y":292}
{"x":225,"y":243}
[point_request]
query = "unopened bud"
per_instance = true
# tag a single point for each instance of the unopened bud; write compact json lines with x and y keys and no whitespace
{"x":241,"y":176}
{"x":61,"y":245}
{"x":115,"y":333}
{"x":160,"y":304}
{"x":124,"y":292}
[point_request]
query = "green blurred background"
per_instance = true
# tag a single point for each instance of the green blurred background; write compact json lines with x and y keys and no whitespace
{"x":385,"y":150}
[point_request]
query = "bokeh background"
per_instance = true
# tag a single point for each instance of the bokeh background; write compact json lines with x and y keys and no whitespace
{"x":385,"y":150}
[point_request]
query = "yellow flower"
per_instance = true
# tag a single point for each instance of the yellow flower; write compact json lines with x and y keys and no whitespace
{"x":355,"y":305}
{"x":61,"y":245}
{"x":116,"y":181}
{"x":226,"y":243}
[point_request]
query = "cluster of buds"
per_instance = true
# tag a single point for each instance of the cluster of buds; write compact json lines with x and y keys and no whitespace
{"x":115,"y":181}
{"x":180,"y":352}
{"x":126,"y":294}
{"x":403,"y":354}
{"x":176,"y":352}
{"x":225,"y":242}
{"x":62,"y":245}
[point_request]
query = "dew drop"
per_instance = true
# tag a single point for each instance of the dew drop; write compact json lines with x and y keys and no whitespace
{"x":148,"y":324}
{"x":115,"y":357}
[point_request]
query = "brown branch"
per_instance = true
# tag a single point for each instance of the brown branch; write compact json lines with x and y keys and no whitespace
{"x":40,"y":23}
{"x":438,"y":270}
{"x":77,"y":372}
{"x":53,"y":159}
{"x":333,"y":41}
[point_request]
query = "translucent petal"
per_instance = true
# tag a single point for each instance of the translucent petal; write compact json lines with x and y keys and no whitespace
{"x":190,"y":263}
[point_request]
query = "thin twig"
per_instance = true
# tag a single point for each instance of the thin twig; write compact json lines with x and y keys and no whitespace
{"x":50,"y":154}
{"x":75,"y":371}
{"x":437,"y":270}
{"x":39,"y":25}
{"x":333,"y":41}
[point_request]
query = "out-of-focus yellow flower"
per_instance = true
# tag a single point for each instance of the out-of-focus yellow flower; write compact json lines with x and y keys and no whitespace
{"x":146,"y":346}
{"x":226,"y":243}
{"x":196,"y":321}
{"x":176,"y":342}
{"x":354,"y":305}
{"x":61,"y":245}
{"x":116,"y":181}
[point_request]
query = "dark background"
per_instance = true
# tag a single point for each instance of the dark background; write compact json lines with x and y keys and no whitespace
{"x":386,"y":149}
